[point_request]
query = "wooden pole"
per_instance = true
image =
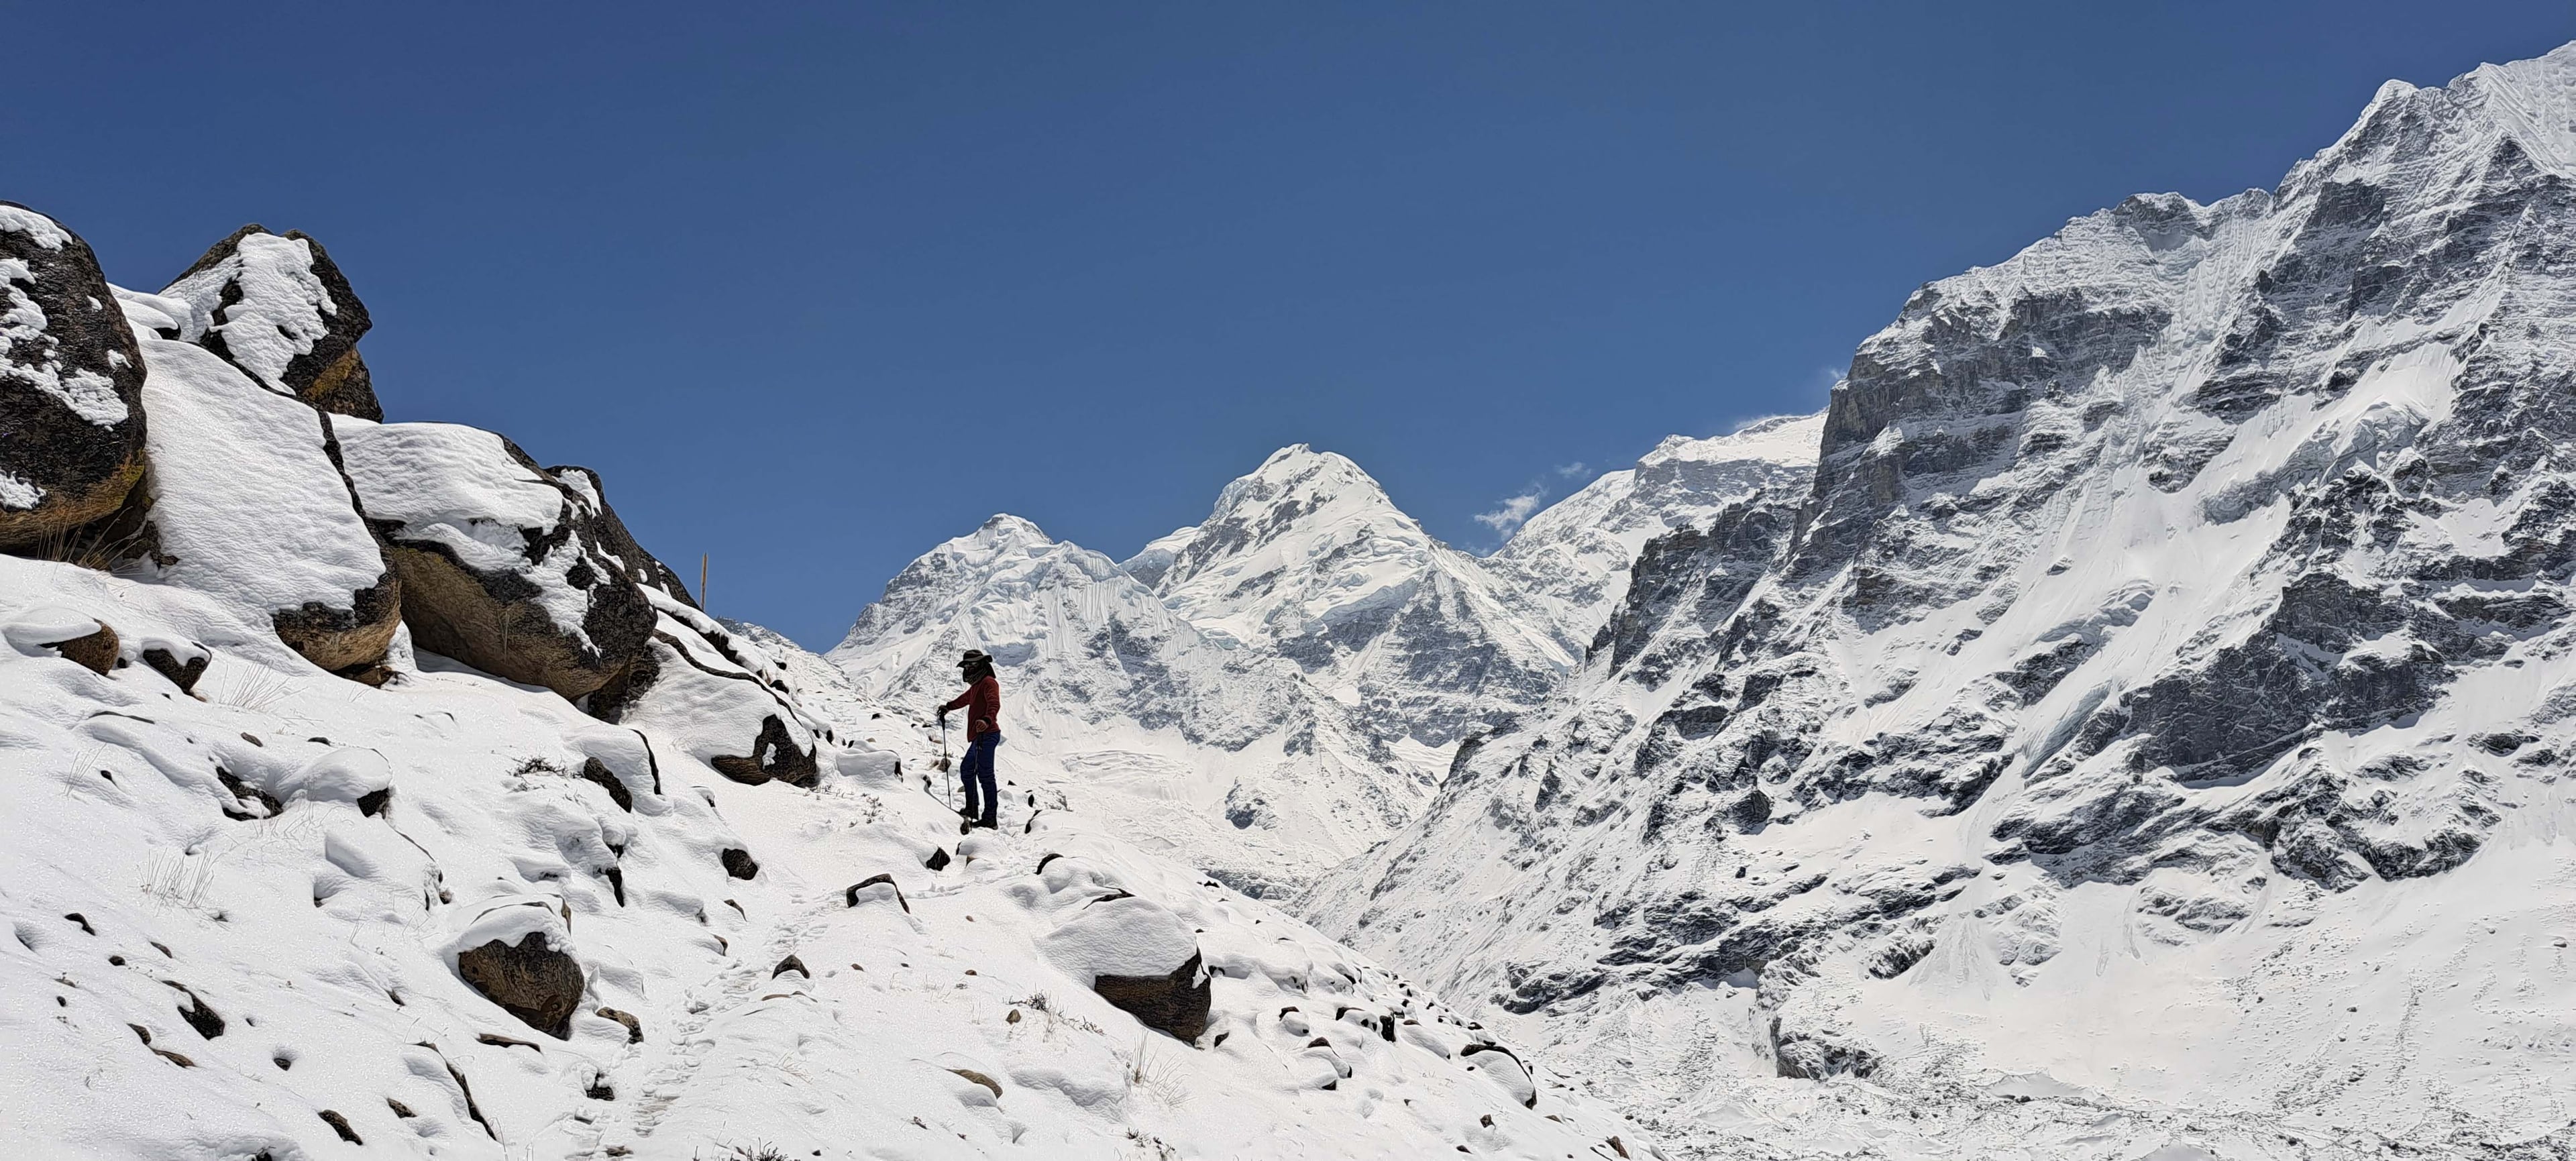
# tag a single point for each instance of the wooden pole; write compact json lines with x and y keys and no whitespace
{"x":702,"y":584}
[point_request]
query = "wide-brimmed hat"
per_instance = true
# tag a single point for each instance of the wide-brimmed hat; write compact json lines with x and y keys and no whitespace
{"x":974,"y":657}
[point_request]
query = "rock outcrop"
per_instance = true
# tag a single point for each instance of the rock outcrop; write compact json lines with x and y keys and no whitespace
{"x":526,"y":573}
{"x":71,"y":385}
{"x":1174,"y":1003}
{"x":278,"y":308}
{"x":531,"y":979}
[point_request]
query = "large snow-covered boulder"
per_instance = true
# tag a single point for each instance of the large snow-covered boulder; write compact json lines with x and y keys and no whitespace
{"x":1140,"y":957}
{"x":516,"y":954}
{"x":71,"y":382}
{"x":249,"y":504}
{"x":525,"y":572}
{"x":278,"y":308}
{"x":504,"y":567}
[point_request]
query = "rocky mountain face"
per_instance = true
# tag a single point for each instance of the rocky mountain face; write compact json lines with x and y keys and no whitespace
{"x":2161,"y":699}
{"x":1573,"y":557}
{"x":370,"y":789}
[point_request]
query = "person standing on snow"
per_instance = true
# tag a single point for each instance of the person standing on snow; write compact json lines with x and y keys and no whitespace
{"x":982,"y":702}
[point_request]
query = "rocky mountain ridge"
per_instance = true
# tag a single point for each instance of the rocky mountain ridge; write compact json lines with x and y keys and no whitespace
{"x":2162,"y":695}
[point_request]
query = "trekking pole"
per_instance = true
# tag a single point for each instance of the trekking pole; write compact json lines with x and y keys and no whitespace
{"x":942,"y":764}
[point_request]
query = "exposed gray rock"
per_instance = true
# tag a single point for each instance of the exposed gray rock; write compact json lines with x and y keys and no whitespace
{"x":2188,"y":555}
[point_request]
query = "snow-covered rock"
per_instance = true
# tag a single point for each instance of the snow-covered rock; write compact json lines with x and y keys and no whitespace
{"x":503,"y":566}
{"x":720,"y":697}
{"x":526,"y":573}
{"x":249,"y":505}
{"x":71,"y":381}
{"x":2159,"y":704}
{"x":279,"y":309}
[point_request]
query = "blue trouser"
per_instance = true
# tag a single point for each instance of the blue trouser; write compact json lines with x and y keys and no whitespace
{"x":977,"y":770}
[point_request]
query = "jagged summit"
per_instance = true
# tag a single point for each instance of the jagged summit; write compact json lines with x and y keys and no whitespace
{"x":1573,"y":557}
{"x":1228,"y":755}
{"x":1004,"y":526}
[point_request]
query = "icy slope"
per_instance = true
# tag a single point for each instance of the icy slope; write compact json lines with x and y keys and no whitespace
{"x":2161,"y":702}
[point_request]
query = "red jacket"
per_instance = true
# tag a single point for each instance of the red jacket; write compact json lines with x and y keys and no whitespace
{"x":982,"y":702}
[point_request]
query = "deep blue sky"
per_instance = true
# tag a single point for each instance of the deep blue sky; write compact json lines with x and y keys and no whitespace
{"x":818,"y":286}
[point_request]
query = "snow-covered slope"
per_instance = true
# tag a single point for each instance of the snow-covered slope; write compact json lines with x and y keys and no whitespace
{"x":2162,"y":702}
{"x":262,"y":910}
{"x":228,"y":945}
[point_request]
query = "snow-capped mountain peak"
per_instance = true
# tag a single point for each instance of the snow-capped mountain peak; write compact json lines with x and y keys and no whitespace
{"x":1306,"y":557}
{"x":1307,"y":527}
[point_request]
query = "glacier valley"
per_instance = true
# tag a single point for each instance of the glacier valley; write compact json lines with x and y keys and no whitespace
{"x":2133,"y":721}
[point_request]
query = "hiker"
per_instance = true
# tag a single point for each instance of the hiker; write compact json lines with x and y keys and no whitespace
{"x":982,"y":702}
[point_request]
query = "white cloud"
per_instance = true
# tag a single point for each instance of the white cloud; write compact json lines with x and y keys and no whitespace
{"x":1569,"y":471}
{"x":1507,"y":517}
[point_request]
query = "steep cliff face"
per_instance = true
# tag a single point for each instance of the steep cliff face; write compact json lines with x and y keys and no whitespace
{"x":2177,"y":623}
{"x":1573,"y":558}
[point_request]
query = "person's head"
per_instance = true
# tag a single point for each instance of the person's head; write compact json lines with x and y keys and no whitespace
{"x":975,"y":666}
